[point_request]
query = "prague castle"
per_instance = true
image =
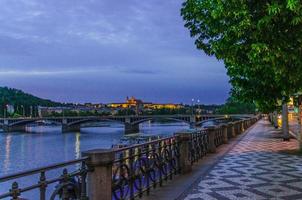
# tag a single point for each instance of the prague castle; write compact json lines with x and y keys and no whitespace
{"x":137,"y":103}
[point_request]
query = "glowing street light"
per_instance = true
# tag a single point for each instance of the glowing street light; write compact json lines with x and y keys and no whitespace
{"x":192,"y":106}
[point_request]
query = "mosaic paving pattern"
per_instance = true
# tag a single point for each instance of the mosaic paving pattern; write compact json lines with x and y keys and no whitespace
{"x":254,"y":169}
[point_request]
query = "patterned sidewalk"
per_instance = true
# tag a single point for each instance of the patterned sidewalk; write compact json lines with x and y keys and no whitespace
{"x":254,"y":169}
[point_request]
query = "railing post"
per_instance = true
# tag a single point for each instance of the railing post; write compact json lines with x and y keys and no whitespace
{"x":247,"y":123}
{"x":99,"y":178}
{"x":211,"y":135}
{"x":224,"y":133}
{"x":232,"y":129}
{"x":237,"y":127}
{"x":241,"y":126}
{"x":183,"y":140}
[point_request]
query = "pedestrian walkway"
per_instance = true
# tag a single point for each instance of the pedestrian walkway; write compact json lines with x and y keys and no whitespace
{"x":293,"y":125}
{"x":255,"y":168}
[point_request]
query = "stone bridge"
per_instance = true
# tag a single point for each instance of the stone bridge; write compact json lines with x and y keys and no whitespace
{"x":131,"y":123}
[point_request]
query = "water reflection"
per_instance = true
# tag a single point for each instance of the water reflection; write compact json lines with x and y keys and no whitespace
{"x":45,"y":145}
{"x":6,"y":164}
{"x":77,"y":146}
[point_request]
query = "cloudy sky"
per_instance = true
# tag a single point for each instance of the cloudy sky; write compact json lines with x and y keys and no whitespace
{"x":105,"y":50}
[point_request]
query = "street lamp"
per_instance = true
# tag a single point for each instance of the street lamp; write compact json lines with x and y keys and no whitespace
{"x":23,"y":112}
{"x":31,"y":111}
{"x":192,"y":106}
{"x":4,"y":111}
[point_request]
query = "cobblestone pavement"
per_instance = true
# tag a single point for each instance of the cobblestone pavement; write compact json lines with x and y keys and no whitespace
{"x":254,"y":169}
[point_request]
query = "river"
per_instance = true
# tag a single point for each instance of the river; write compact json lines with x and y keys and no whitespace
{"x":43,"y":145}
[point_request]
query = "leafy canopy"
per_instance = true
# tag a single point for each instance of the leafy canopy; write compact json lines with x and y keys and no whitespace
{"x":259,"y":41}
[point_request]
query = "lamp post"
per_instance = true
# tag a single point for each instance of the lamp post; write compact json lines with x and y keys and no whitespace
{"x":198,"y":103}
{"x":192,"y":106}
{"x":23,"y":112}
{"x":4,"y":111}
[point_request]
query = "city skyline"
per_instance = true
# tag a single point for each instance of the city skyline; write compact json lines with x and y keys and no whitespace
{"x":104,"y":51}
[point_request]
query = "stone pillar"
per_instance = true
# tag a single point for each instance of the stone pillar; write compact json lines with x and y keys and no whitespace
{"x":71,"y":128}
{"x":14,"y":128}
{"x":184,"y":151}
{"x":231,"y":129}
{"x":246,"y":126}
{"x":235,"y":128}
{"x":285,"y":128}
{"x":130,"y":128}
{"x":99,"y":179}
{"x":242,"y":128}
{"x":211,"y":135}
{"x":192,"y":121}
{"x":224,"y":128}
{"x":238,"y":127}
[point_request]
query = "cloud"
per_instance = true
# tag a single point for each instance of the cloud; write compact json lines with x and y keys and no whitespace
{"x":108,"y":39}
{"x":140,"y":71}
{"x":46,"y":73}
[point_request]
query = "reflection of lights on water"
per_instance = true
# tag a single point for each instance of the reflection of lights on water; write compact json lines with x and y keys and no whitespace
{"x":77,"y":145}
{"x":7,"y":153}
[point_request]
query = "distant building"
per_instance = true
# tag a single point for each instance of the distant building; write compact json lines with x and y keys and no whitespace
{"x":155,"y":106}
{"x":139,"y":104}
{"x":45,"y":111}
{"x":130,"y":103}
{"x":10,"y":109}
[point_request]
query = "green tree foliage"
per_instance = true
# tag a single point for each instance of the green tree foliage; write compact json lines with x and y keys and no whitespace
{"x":21,"y":101}
{"x":233,"y":106}
{"x":260,"y":43}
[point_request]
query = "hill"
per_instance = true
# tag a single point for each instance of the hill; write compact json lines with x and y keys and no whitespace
{"x":23,"y":103}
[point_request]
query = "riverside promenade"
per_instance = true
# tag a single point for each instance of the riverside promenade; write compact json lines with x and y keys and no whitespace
{"x":255,"y":168}
{"x":256,"y":165}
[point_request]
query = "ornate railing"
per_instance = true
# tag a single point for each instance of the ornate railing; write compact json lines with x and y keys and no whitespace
{"x":124,"y":173}
{"x":67,"y":186}
{"x":218,"y":140}
{"x":198,"y":145}
{"x":139,"y":168}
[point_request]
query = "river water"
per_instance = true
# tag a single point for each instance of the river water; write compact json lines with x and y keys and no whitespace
{"x":44,"y":145}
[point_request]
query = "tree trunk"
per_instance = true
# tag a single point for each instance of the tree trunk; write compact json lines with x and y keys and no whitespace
{"x":299,"y":127}
{"x":285,"y":129}
{"x":275,"y":119}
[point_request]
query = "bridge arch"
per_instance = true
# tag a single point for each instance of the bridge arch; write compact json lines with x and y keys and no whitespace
{"x":154,"y":118}
{"x":91,"y":120}
{"x":30,"y":121}
{"x":209,"y":120}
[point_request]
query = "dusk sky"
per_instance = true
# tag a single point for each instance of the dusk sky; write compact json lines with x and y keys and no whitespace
{"x":105,"y":50}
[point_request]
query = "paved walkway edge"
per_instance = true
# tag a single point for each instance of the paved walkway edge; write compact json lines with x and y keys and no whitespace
{"x":179,"y":187}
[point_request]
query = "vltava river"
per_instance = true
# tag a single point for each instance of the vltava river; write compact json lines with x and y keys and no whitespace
{"x":48,"y":145}
{"x":45,"y":145}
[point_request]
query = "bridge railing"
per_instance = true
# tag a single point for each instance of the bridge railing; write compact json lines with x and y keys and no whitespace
{"x":131,"y":172}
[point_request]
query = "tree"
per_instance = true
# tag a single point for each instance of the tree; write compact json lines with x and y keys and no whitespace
{"x":233,"y":106}
{"x":260,"y":43}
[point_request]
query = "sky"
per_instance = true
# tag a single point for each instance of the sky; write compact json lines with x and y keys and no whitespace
{"x":105,"y":50}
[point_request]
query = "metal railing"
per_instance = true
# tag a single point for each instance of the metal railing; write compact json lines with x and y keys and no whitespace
{"x":198,"y":145}
{"x":218,"y":140}
{"x":69,"y":185}
{"x":139,"y":168}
